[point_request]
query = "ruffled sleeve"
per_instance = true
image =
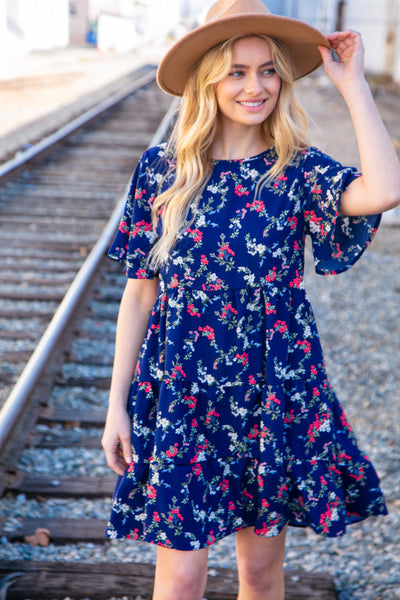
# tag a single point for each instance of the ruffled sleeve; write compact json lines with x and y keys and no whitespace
{"x":136,"y":236}
{"x":338,"y":241}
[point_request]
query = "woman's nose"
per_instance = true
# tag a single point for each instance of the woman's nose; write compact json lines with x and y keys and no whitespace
{"x":253,"y":84}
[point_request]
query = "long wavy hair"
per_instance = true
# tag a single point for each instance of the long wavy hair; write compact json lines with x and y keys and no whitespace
{"x":195,"y":130}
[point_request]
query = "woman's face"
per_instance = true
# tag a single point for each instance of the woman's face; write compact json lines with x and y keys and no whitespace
{"x":249,"y":93}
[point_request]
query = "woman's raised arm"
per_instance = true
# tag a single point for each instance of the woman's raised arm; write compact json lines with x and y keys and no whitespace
{"x":378,"y":189}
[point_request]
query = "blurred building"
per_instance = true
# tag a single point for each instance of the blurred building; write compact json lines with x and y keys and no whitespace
{"x":378,"y":22}
{"x":28,"y":25}
{"x":123,"y":25}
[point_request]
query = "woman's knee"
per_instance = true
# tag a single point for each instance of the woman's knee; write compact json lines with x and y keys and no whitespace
{"x":260,"y":562}
{"x":180,"y":575}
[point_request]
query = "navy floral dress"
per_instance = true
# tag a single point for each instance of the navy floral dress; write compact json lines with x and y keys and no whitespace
{"x":234,"y":423}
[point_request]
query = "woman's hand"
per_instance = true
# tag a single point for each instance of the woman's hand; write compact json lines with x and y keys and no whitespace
{"x":117,"y":440}
{"x":349,"y":68}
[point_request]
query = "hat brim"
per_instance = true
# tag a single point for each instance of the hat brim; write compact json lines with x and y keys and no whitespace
{"x":300,"y":39}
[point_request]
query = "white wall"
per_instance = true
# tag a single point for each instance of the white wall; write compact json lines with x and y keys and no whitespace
{"x":27,"y":25}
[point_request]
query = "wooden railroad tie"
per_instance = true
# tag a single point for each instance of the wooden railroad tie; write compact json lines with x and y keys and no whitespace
{"x":45,"y":581}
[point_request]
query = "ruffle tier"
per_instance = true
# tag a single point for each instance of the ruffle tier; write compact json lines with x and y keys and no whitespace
{"x":202,"y":477}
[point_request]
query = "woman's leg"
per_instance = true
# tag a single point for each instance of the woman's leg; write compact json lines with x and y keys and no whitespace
{"x":180,"y":575}
{"x":260,"y":565}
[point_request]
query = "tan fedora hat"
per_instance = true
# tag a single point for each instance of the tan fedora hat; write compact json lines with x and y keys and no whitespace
{"x":228,"y":18}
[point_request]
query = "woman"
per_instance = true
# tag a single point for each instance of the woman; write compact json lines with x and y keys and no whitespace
{"x":231,"y":423}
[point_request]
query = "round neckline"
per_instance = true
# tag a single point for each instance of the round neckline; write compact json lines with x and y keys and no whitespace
{"x":216,"y":161}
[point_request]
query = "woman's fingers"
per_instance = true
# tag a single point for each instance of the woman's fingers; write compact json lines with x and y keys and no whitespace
{"x":117,"y":442}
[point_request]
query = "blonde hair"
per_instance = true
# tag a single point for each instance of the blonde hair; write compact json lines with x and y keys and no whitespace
{"x":195,"y":131}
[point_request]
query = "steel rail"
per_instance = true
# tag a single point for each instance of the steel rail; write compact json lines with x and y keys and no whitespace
{"x":20,"y":394}
{"x":83,"y":119}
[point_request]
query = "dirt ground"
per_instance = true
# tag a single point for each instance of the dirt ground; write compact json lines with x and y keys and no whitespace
{"x":43,"y":90}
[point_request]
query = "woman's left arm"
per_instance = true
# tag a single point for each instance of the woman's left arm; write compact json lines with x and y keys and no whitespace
{"x":378,"y":189}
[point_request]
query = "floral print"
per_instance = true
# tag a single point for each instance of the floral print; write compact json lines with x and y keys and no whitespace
{"x":234,"y":423}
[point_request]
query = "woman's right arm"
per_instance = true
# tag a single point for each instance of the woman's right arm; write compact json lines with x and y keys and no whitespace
{"x":136,"y":304}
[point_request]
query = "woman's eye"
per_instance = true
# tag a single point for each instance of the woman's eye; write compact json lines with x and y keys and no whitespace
{"x":269,"y":72}
{"x":236,"y":74}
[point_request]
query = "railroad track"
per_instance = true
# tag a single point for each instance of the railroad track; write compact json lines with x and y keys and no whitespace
{"x":57,"y":348}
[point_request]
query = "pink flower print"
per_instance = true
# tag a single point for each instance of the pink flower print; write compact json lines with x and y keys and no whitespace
{"x":192,"y":311}
{"x":315,"y":426}
{"x":231,"y":506}
{"x":243,"y":358}
{"x":224,"y":251}
{"x":316,"y":220}
{"x":272,"y":398}
{"x":314,"y":370}
{"x":204,"y":260}
{"x":271,"y":276}
{"x":344,"y":421}
{"x":196,"y":469}
{"x":240,"y":191}
{"x":360,"y":475}
{"x":172,"y":452}
{"x":139,"y":193}
{"x":156,"y":517}
{"x":210,"y":415}
{"x":252,"y":380}
{"x":247,"y":494}
{"x":253,"y":433}
{"x":269,"y":310}
{"x":344,"y":456}
{"x":280,"y":326}
{"x":297,"y":281}
{"x":212,"y":286}
{"x":146,"y":386}
{"x":174,"y":282}
{"x":334,"y":469}
{"x":208,"y":331}
{"x":192,"y":401}
{"x":151,"y":492}
{"x":141,"y":274}
{"x":338,"y":251}
{"x":305,"y":345}
{"x":211,"y":538}
{"x":139,"y":226}
{"x":134,"y":535}
{"x":196,"y":234}
{"x":316,"y":189}
{"x":229,"y":308}
{"x":224,"y":485}
{"x":325,"y":518}
{"x":264,"y":503}
{"x":279,"y":182}
{"x":178,"y":373}
{"x":282,"y":489}
{"x":289,"y":418}
{"x":175,"y":514}
{"x":293,"y":222}
{"x":257,"y":204}
{"x":123,"y":227}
